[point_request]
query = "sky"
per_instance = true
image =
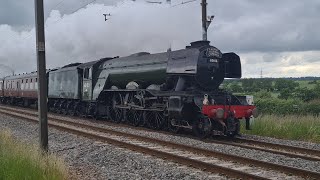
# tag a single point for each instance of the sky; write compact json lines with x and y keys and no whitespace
{"x":277,"y":38}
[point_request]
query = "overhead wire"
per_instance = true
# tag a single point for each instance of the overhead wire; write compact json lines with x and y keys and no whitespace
{"x":92,"y":1}
{"x":183,"y":2}
{"x":61,"y":18}
{"x":57,"y":5}
{"x":83,"y":6}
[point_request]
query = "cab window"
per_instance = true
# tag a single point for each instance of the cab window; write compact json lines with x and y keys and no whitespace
{"x":87,"y":73}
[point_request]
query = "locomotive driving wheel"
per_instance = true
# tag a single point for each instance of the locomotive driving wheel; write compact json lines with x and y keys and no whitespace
{"x":155,"y":119}
{"x":133,"y":115}
{"x":116,"y":113}
{"x":202,"y":127}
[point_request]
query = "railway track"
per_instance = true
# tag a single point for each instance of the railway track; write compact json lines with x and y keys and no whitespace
{"x":289,"y":151}
{"x":212,"y":161}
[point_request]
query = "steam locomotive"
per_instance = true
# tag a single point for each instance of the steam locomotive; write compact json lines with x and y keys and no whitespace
{"x":173,"y":90}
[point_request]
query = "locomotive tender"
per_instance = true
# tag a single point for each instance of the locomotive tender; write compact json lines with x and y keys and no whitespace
{"x":173,"y":90}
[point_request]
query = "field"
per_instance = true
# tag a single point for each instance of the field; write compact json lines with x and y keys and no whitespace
{"x":306,"y":84}
{"x":305,"y":128}
{"x":19,"y":161}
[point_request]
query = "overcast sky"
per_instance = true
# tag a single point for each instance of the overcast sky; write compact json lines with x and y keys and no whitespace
{"x":280,"y":37}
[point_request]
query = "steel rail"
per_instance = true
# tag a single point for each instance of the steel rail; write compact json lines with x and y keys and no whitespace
{"x":277,"y":167}
{"x":238,"y":142}
{"x":288,"y":154}
{"x":280,"y":146}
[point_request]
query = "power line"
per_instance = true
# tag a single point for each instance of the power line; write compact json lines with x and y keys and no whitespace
{"x":30,"y":34}
{"x":57,"y":5}
{"x":183,"y":2}
{"x":83,"y":6}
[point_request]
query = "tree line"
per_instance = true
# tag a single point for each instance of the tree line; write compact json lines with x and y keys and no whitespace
{"x":280,"y":96}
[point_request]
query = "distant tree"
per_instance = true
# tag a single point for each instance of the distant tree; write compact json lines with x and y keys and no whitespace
{"x":313,"y":82}
{"x":305,"y":94}
{"x":283,"y":84}
{"x":264,"y":84}
{"x":316,"y":90}
{"x":285,"y":94}
{"x":235,"y":87}
{"x":263,"y":94}
{"x":248,"y":85}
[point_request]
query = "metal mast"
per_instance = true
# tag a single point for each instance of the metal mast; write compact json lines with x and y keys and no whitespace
{"x":204,"y":20}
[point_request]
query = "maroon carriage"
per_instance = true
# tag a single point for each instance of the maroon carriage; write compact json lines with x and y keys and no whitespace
{"x":20,"y":89}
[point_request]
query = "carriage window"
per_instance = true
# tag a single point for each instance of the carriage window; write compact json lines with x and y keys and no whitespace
{"x":30,"y":84}
{"x":22,"y":85}
{"x":36,"y":84}
{"x":90,"y":73}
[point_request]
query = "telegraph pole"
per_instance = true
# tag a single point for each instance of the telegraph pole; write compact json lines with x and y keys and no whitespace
{"x":204,"y":20}
{"x":42,"y":79}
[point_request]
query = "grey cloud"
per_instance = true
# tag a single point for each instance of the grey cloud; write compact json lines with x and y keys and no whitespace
{"x":266,"y":26}
{"x":16,"y":12}
{"x":20,"y":13}
{"x":270,"y":57}
{"x":259,"y":30}
{"x":242,"y":25}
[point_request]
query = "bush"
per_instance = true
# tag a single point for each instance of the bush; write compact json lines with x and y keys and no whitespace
{"x":278,"y":106}
{"x":312,"y":107}
{"x":286,"y":107}
{"x":263,"y":94}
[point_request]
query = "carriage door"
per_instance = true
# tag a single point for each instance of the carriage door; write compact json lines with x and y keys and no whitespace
{"x":87,"y":84}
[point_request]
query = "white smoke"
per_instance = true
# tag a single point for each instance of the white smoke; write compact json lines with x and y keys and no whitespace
{"x":84,"y":35}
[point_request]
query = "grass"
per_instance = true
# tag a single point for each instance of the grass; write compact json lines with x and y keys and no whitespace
{"x":20,"y":161}
{"x":305,"y":128}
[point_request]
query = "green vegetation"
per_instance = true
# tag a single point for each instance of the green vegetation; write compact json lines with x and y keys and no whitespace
{"x":289,"y":109}
{"x":280,"y":96}
{"x":306,"y":128}
{"x":18,"y":161}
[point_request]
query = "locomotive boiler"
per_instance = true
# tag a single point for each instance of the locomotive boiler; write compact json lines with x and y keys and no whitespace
{"x":198,"y":66}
